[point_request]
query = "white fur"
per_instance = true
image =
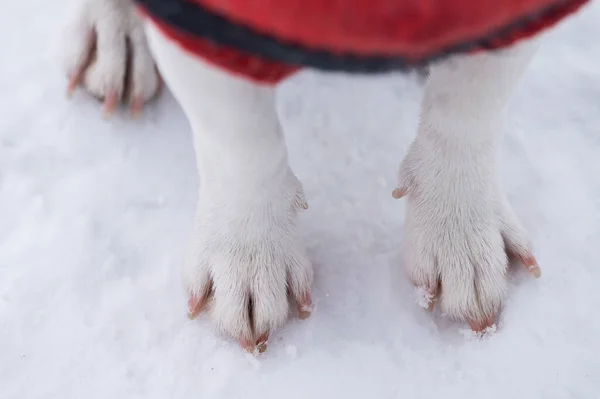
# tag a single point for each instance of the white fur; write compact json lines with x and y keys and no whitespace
{"x":245,"y":238}
{"x":457,"y":217}
{"x":109,"y":25}
{"x":245,"y":245}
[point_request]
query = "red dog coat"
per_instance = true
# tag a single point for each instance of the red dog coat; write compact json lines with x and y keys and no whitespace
{"x":266,"y":40}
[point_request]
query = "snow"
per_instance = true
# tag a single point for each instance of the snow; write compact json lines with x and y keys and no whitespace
{"x":95,"y":216}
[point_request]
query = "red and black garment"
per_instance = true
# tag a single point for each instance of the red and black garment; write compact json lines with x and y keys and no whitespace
{"x":267,"y":40}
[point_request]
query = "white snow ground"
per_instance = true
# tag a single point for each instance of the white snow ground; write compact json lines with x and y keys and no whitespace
{"x":94,"y":217}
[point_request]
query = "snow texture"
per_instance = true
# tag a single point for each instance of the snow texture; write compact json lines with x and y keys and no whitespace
{"x":95,"y":217}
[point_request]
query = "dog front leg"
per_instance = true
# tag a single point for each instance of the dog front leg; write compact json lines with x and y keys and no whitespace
{"x":459,"y":226}
{"x":245,"y":252}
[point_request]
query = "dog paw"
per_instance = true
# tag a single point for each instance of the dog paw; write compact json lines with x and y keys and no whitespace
{"x":246,"y":264}
{"x":106,"y":52}
{"x":460,"y":233}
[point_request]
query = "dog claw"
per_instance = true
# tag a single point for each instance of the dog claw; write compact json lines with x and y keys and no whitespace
{"x":74,"y":82}
{"x":111,"y":101}
{"x":305,"y":307}
{"x":196,"y":305}
{"x":482,"y":326}
{"x":247,"y":345}
{"x":136,"y":106}
{"x":532,"y":265}
{"x":426,"y":297}
{"x":261,"y":343}
{"x":255,"y":347}
{"x":398,"y":193}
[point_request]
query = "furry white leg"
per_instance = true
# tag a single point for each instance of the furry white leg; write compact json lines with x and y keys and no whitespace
{"x":245,"y":253}
{"x":106,"y":51}
{"x":459,"y":227}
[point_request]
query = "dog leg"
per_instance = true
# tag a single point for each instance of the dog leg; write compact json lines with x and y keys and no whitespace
{"x":107,"y":53}
{"x":245,"y":254}
{"x":459,"y":226}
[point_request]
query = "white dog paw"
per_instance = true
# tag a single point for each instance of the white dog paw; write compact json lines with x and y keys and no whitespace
{"x":246,"y":263}
{"x":107,"y":53}
{"x":460,"y":232}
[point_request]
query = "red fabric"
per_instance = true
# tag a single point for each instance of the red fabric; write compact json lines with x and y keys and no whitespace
{"x":247,"y":65}
{"x":411,"y":28}
{"x":408,"y":27}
